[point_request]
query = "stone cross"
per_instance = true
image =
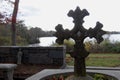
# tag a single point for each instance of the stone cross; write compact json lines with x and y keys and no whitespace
{"x":79,"y":33}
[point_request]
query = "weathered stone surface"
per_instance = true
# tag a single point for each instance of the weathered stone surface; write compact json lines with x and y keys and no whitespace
{"x":33,"y":55}
{"x":40,"y":59}
{"x":8,"y":70}
{"x":50,"y":72}
{"x":56,"y":54}
{"x":78,"y":34}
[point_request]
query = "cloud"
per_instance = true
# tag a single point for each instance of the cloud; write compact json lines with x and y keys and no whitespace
{"x":48,"y":13}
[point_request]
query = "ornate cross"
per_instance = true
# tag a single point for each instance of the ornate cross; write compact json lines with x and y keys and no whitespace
{"x":79,"y":33}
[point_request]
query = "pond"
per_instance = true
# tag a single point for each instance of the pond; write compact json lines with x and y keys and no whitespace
{"x":47,"y":41}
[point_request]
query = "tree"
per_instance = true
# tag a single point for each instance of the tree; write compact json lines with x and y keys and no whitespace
{"x":5,"y":17}
{"x":13,"y":24}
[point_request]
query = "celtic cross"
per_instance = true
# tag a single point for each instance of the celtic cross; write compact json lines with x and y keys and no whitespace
{"x":79,"y":33}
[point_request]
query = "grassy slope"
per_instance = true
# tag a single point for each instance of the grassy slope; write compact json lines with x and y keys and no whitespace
{"x":107,"y":59}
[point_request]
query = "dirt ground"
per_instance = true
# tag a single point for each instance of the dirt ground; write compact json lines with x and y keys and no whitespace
{"x":27,"y":70}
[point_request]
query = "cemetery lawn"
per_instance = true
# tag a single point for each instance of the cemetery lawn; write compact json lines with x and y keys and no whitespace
{"x":99,"y":59}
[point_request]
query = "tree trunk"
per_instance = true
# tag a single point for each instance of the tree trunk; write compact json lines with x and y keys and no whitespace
{"x":13,"y":24}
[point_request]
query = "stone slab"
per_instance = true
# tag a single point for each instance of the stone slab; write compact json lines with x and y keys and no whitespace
{"x":7,"y":66}
{"x":47,"y":72}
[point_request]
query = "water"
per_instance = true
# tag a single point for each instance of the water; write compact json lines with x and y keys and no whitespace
{"x":114,"y":37}
{"x":47,"y":41}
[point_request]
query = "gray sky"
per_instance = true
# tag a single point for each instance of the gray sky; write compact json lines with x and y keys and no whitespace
{"x":46,"y":14}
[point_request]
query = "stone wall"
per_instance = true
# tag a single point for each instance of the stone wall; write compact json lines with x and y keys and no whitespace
{"x":33,"y":55}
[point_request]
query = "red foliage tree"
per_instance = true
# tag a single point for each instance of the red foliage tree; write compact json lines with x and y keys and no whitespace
{"x":5,"y":17}
{"x":14,"y":16}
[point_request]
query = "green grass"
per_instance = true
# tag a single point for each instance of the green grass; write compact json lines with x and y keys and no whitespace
{"x":99,"y":59}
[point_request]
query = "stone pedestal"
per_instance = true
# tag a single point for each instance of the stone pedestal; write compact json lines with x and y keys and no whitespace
{"x":8,"y":70}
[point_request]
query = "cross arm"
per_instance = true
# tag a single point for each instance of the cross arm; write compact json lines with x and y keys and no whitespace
{"x":96,"y":32}
{"x":61,"y":34}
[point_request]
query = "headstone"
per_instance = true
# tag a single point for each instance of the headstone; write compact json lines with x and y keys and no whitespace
{"x":40,"y":59}
{"x":33,"y":55}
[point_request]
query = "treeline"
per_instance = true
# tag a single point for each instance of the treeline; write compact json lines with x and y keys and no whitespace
{"x":105,"y":47}
{"x":24,"y":36}
{"x":114,"y":32}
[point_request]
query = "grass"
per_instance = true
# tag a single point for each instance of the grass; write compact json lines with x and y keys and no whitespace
{"x":99,"y":59}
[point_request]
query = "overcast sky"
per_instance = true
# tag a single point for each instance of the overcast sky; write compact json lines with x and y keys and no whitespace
{"x":46,"y":14}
